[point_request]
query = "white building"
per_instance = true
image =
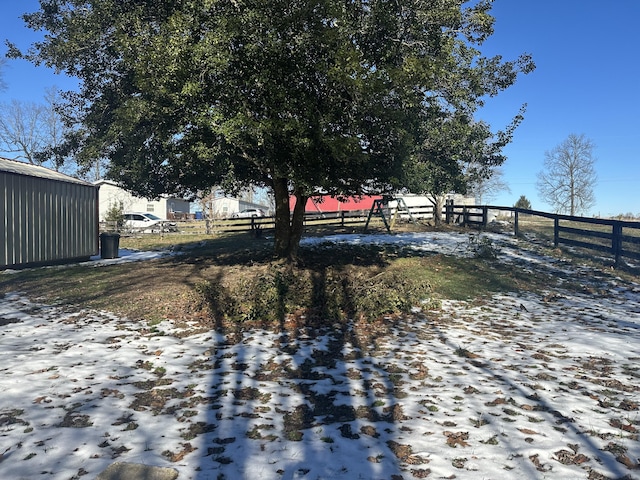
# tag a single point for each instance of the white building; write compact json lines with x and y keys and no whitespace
{"x":219,"y":205}
{"x":165,"y":207}
{"x":413,"y":200}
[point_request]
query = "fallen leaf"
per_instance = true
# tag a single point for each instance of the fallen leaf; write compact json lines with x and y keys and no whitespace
{"x":456,"y":438}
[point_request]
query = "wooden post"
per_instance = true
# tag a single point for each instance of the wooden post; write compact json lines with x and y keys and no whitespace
{"x":464,"y":215}
{"x":485,"y":216}
{"x":516,"y":229}
{"x":616,"y":242}
{"x":448,"y":211}
{"x":556,"y":232}
{"x":342,"y":218}
{"x":377,"y":208}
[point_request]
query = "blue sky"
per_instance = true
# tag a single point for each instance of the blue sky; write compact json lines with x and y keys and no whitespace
{"x":586,"y":82}
{"x":24,"y":81}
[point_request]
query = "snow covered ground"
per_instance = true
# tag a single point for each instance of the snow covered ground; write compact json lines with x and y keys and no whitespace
{"x":515,"y":386}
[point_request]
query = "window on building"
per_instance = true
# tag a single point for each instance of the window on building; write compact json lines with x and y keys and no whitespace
{"x":150,"y":207}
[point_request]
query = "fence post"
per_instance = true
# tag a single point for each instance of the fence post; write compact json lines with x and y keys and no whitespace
{"x":556,"y":232}
{"x":485,"y":216}
{"x":516,"y":228}
{"x":616,"y":242}
{"x":464,"y":216}
{"x":342,"y":218}
{"x":448,"y":211}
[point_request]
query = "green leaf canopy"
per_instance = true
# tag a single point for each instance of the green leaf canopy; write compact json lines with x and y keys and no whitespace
{"x":298,"y":96}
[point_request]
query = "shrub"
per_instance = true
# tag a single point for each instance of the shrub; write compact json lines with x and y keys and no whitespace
{"x":115,"y":215}
{"x":270,"y":295}
{"x":482,"y":247}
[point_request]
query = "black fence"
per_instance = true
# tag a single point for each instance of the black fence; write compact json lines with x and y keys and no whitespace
{"x":342,"y":218}
{"x":617,"y":238}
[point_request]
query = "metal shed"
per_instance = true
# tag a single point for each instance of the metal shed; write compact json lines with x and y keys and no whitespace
{"x":47,"y":217}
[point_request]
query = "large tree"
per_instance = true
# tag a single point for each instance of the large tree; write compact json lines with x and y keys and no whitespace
{"x":523,"y":202}
{"x":298,"y":96}
{"x":485,"y":190}
{"x":456,"y":154}
{"x":22,"y":130}
{"x":568,"y":178}
{"x":32,"y":131}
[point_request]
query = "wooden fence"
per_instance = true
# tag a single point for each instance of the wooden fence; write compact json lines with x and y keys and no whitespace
{"x":617,"y":238}
{"x":343,"y":218}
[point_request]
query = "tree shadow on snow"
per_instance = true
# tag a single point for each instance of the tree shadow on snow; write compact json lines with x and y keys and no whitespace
{"x":300,"y":398}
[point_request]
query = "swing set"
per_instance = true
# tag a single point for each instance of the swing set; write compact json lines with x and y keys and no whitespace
{"x":378,"y":209}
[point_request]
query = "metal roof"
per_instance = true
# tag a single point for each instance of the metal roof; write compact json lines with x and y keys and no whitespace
{"x":21,"y":168}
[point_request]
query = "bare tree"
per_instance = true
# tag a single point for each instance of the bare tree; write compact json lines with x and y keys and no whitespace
{"x":206,"y":200}
{"x":34,"y":133}
{"x":52,"y":128}
{"x":487,"y":189}
{"x":3,"y":84}
{"x":21,"y":130}
{"x":568,"y":178}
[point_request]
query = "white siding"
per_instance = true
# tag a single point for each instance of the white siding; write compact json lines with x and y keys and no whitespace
{"x":111,"y":194}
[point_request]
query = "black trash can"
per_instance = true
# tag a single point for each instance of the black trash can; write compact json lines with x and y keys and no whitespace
{"x":109,"y":245}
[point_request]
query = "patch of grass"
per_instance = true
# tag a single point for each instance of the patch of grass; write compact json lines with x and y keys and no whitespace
{"x":11,"y":417}
{"x":251,"y":393}
{"x":293,"y":435}
{"x":256,"y":433}
{"x":233,"y":281}
{"x":479,"y":422}
{"x":491,"y":441}
{"x":299,"y":419}
{"x":464,"y":353}
{"x":177,"y":241}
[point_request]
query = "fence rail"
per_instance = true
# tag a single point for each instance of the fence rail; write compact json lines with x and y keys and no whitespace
{"x":342,"y":218}
{"x":618,"y":238}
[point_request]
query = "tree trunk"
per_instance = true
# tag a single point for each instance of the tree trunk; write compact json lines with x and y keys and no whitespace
{"x":281,"y":197}
{"x":437,"y":201}
{"x":289,"y":228}
{"x":297,"y":225}
{"x":572,"y":196}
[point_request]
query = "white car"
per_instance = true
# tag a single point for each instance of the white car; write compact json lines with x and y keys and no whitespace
{"x":147,"y":222}
{"x":250,"y":212}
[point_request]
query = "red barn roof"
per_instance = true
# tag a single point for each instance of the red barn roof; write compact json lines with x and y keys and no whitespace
{"x":325,"y":203}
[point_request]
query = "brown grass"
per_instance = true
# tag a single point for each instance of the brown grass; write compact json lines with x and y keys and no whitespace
{"x":233,"y":282}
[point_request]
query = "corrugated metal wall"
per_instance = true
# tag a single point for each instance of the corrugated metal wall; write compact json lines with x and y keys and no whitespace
{"x":46,"y":221}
